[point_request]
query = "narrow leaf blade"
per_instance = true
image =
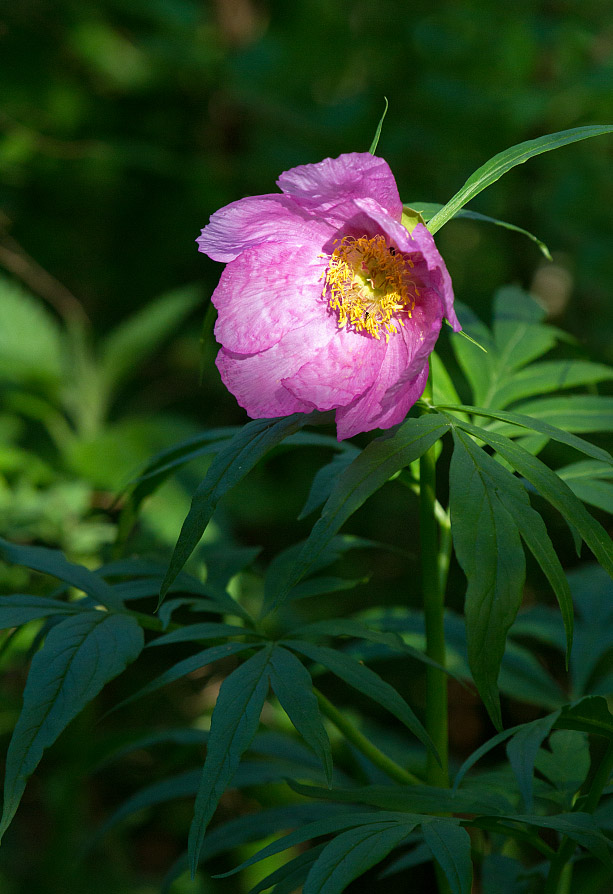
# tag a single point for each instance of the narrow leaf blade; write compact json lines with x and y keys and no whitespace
{"x":450,"y":847}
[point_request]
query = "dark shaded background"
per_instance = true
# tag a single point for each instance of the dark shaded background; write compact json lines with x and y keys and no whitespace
{"x":124,"y":124}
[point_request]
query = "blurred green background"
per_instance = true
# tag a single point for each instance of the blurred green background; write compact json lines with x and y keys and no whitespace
{"x":123,"y":125}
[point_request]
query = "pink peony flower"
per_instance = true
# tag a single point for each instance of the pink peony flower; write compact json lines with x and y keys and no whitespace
{"x":327,"y":301}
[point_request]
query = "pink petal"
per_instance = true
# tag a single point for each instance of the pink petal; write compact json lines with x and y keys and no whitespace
{"x":402,"y":376}
{"x":350,"y":176}
{"x":256,"y":380}
{"x":341,"y":371}
{"x":259,"y":219}
{"x":266,"y":292}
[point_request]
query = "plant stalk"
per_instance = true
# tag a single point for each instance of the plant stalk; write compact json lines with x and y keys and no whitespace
{"x":353,"y":735}
{"x":433,"y":595}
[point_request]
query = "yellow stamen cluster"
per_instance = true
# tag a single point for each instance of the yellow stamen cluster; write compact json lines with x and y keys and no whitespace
{"x":368,"y":284}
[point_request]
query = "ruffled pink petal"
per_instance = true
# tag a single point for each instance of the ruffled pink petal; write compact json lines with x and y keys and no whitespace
{"x":341,"y":371}
{"x":260,"y":219}
{"x":402,"y":376}
{"x":266,"y":292}
{"x":422,"y":237}
{"x":350,"y":176}
{"x":256,"y":380}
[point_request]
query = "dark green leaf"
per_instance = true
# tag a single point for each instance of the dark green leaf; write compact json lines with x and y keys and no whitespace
{"x":351,"y":853}
{"x":553,"y":489}
{"x":410,"y":798}
{"x":229,"y":466}
{"x":19,"y":609}
{"x":291,"y":683}
{"x":450,"y":846}
{"x":572,"y":412}
{"x":187,"y":666}
{"x":364,"y":680}
{"x":53,"y":562}
{"x":325,"y":479}
{"x":488,"y":548}
{"x":590,"y":714}
{"x":366,"y":474}
{"x":346,"y":819}
{"x":234,"y":723}
{"x":202,"y":631}
{"x":493,"y":169}
{"x":580,"y":827}
{"x":522,"y":750}
{"x":567,"y":764}
{"x":79,"y":656}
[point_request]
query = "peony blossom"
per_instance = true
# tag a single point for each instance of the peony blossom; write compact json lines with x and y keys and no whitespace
{"x":327,"y":301}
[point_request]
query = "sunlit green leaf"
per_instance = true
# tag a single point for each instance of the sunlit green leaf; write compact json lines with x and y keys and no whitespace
{"x":493,"y":169}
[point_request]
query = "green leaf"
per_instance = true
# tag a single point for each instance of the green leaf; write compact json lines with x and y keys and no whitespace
{"x":230,"y":465}
{"x":79,"y":656}
{"x":493,"y":169}
{"x":521,"y":421}
{"x":351,"y":853}
{"x":429,"y":209}
{"x":522,"y":750}
{"x":134,"y":340}
{"x":450,"y":846}
{"x":375,"y":142}
{"x":202,"y":631}
{"x":546,"y":376}
{"x":573,"y":412}
{"x":553,"y":489}
{"x":234,"y":723}
{"x":580,"y":827}
{"x":590,"y":715}
{"x":476,"y":756}
{"x":567,"y":764}
{"x":364,"y":680}
{"x":291,"y":683}
{"x":325,"y":478}
{"x":424,"y":799}
{"x":53,"y":562}
{"x":187,"y":666}
{"x":488,"y":548}
{"x":591,"y":481}
{"x":327,"y":826}
{"x":19,"y":609}
{"x":291,"y":876}
{"x":366,"y":474}
{"x":31,"y":348}
{"x":511,"y":493}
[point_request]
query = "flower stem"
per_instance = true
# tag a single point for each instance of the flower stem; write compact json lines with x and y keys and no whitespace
{"x":433,"y":572}
{"x":558,"y":880}
{"x":353,"y":735}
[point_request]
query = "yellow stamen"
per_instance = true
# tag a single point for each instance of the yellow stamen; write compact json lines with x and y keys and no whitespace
{"x":368,"y":283}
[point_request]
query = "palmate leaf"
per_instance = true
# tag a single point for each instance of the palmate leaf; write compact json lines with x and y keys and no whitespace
{"x":364,"y":680}
{"x":489,"y":509}
{"x":450,"y":847}
{"x":351,"y":853}
{"x":493,"y":169}
{"x":366,"y":474}
{"x":79,"y":656}
{"x":230,"y":465}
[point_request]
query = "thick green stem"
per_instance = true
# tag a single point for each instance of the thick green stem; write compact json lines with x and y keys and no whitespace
{"x":433,"y":596}
{"x":559,"y":873}
{"x":353,"y":735}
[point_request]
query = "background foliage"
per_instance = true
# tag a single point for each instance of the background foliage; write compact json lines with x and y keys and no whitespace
{"x":123,"y":125}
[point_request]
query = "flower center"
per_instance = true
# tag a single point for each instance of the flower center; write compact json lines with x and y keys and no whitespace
{"x":367,"y":282}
